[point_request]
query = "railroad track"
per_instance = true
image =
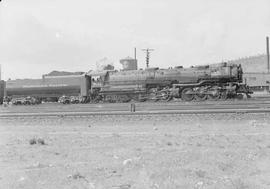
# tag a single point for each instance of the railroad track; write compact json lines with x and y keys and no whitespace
{"x":240,"y":106}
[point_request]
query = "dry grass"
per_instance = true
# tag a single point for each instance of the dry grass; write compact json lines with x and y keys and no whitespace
{"x":184,"y":151}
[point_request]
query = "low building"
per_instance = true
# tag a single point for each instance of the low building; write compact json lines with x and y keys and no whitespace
{"x":257,"y":81}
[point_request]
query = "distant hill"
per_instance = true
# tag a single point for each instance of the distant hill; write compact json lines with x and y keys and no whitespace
{"x":254,"y":64}
{"x":62,"y":73}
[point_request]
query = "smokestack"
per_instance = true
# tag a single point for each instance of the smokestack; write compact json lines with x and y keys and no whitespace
{"x":135,"y":54}
{"x":267,"y":53}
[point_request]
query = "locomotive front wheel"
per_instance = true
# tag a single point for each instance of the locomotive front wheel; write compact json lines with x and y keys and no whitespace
{"x":187,"y":94}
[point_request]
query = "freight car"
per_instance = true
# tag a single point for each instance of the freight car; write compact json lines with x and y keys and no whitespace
{"x":49,"y":87}
{"x":219,"y":81}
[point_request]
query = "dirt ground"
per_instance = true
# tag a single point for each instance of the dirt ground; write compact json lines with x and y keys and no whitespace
{"x":214,"y":151}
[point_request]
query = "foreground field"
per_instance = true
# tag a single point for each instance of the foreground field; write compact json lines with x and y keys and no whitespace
{"x":136,"y":151}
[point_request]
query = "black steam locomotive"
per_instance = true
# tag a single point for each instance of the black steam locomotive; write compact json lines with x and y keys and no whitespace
{"x":219,"y":81}
{"x":210,"y":82}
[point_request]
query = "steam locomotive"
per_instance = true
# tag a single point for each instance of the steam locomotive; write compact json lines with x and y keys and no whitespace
{"x":218,"y":81}
{"x":209,"y":82}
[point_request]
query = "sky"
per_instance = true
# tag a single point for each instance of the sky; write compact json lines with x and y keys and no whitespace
{"x":37,"y":36}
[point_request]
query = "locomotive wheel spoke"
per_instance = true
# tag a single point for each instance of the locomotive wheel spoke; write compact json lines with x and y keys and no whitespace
{"x":187,"y":94}
{"x":164,"y":96}
{"x":200,"y":94}
{"x":152,"y":97}
{"x":223,"y":96}
{"x":200,"y":97}
{"x":169,"y":99}
{"x":214,"y":96}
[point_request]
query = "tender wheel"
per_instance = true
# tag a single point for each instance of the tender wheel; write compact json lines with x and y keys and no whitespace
{"x":123,"y":98}
{"x":110,"y":98}
{"x":138,"y":98}
{"x":187,"y":94}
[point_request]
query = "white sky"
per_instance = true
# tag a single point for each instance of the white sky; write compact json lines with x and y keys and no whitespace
{"x":38,"y":36}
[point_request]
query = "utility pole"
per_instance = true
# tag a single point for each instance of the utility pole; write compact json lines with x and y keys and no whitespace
{"x":135,"y":53}
{"x":267,"y":53}
{"x":147,"y":56}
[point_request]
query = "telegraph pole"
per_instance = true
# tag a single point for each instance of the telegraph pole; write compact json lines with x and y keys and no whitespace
{"x":135,"y":53}
{"x":267,"y":53}
{"x":147,"y":56}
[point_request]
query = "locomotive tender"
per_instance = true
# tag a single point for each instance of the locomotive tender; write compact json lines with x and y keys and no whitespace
{"x":49,"y":87}
{"x":212,"y":82}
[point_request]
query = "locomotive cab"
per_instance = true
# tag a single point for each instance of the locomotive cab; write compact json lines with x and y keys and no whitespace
{"x":97,"y":81}
{"x":98,"y":78}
